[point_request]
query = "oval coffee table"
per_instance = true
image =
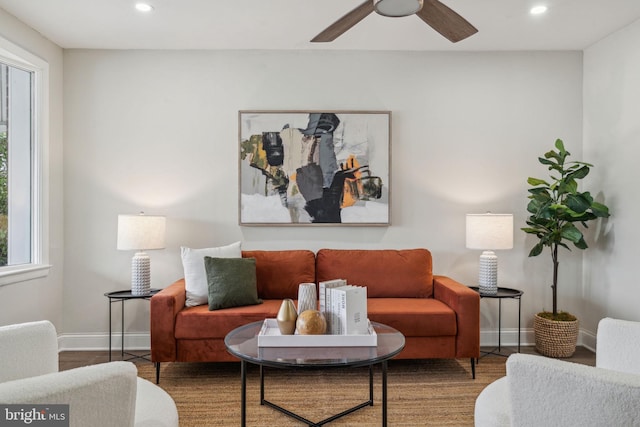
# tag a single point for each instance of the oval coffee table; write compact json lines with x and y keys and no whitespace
{"x":242,"y":342}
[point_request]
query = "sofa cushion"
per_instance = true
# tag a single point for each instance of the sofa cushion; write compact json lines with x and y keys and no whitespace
{"x":414,"y":317}
{"x":280,"y":272}
{"x":195,"y":276}
{"x":200,"y":323}
{"x":386,"y":273}
{"x":232,"y":282}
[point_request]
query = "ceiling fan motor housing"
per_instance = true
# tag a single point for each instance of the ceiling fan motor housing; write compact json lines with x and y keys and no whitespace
{"x":397,"y":8}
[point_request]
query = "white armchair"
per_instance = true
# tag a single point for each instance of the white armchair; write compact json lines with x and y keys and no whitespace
{"x":103,"y":395}
{"x":539,"y":391}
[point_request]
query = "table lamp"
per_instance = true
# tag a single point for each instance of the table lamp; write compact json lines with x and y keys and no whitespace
{"x":141,"y":232}
{"x":489,"y":232}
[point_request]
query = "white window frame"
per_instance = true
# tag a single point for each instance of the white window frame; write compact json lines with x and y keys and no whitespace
{"x":14,"y":55}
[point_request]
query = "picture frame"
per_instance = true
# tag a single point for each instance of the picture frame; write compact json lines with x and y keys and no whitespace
{"x":314,"y":168}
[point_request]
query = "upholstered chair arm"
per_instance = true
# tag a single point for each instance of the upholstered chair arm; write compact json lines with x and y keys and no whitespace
{"x":546,"y":392}
{"x":618,"y":345}
{"x":154,"y":406}
{"x":97,"y":395}
{"x":466,"y":303}
{"x":27,"y":350}
{"x":165,"y":305}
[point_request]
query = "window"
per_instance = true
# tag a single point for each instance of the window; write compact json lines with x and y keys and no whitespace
{"x":22,"y":211}
{"x":15,"y":165}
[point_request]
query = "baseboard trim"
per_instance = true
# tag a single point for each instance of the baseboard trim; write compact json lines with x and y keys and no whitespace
{"x":587,"y":339}
{"x":142,"y":340}
{"x":100,"y":342}
{"x":509,"y":338}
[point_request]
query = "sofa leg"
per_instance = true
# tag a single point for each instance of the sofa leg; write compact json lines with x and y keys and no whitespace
{"x":158,"y":372}
{"x":473,"y":368}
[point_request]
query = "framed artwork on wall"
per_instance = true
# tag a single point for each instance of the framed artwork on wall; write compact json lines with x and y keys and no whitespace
{"x":314,"y":168}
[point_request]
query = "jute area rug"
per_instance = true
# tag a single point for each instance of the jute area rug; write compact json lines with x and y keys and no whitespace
{"x":437,"y":392}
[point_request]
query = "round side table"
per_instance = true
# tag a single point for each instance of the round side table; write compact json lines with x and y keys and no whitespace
{"x":122,"y":296}
{"x":503,"y":293}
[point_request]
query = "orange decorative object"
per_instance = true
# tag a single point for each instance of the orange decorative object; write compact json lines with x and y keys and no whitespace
{"x":352,"y":186}
{"x":311,"y":322}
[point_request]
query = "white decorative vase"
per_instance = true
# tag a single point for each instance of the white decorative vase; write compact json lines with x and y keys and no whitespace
{"x":307,"y":297}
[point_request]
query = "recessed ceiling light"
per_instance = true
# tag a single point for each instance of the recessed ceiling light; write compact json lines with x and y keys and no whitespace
{"x":537,"y":10}
{"x":144,"y":7}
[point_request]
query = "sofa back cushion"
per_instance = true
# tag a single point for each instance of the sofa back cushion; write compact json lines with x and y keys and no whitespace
{"x":386,"y":273}
{"x":279,"y":273}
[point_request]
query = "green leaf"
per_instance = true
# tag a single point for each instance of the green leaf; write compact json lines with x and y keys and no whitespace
{"x":582,"y":218}
{"x":536,"y":181}
{"x":582,"y":163}
{"x":579,"y":202}
{"x":571,"y":233}
{"x":537,"y":250}
{"x":539,"y":192}
{"x":560,"y":146}
{"x":530,"y":230}
{"x":600,"y":210}
{"x":546,"y":212}
{"x":581,"y":244}
{"x":579,"y":173}
{"x":567,"y":186}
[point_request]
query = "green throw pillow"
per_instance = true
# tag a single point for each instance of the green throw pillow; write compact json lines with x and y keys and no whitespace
{"x":232,"y":282}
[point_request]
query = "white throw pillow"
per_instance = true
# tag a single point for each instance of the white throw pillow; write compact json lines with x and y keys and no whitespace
{"x":195,"y":275}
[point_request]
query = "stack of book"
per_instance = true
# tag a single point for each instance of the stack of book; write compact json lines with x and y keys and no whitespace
{"x":344,"y":307}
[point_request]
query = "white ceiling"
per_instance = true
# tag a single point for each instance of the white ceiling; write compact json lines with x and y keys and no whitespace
{"x":290,"y":24}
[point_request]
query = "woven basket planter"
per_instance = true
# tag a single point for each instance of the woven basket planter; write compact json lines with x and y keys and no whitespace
{"x":555,"y":338}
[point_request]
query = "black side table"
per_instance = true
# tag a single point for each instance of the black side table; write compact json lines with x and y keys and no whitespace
{"x":123,"y":296}
{"x":500,"y":295}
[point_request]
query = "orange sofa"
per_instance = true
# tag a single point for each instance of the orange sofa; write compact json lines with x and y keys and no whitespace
{"x":439,"y":317}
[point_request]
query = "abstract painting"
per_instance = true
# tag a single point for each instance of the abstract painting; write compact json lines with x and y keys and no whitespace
{"x":314,"y":167}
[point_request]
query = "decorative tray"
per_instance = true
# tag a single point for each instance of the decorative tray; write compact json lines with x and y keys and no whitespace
{"x":270,"y":336}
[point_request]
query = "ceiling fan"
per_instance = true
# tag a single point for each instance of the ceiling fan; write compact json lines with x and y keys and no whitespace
{"x":440,"y":17}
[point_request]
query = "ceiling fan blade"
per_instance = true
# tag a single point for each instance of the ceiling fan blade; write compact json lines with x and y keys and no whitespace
{"x":445,"y":21}
{"x":343,"y":24}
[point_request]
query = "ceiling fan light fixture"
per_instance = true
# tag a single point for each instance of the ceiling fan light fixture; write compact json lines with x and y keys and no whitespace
{"x":397,"y":8}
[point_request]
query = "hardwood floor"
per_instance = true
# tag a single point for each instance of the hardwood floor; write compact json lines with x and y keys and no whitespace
{"x":74,"y":359}
{"x":582,"y":355}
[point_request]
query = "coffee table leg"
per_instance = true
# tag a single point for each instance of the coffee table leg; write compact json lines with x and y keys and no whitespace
{"x":384,"y":393}
{"x":261,"y":385}
{"x":243,"y":393}
{"x":371,"y":384}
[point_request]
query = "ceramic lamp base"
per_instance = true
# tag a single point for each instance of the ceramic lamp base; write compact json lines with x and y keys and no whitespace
{"x":140,"y":274}
{"x":488,"y":277}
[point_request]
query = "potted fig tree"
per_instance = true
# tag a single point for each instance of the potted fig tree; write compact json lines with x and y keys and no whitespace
{"x":556,"y":209}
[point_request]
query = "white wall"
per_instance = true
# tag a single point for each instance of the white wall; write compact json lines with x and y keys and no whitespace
{"x":42,"y":298}
{"x":157,"y":131}
{"x":612,"y":132}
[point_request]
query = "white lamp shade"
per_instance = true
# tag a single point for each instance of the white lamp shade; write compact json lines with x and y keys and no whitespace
{"x":489,"y":231}
{"x":397,"y":8}
{"x":141,"y":232}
